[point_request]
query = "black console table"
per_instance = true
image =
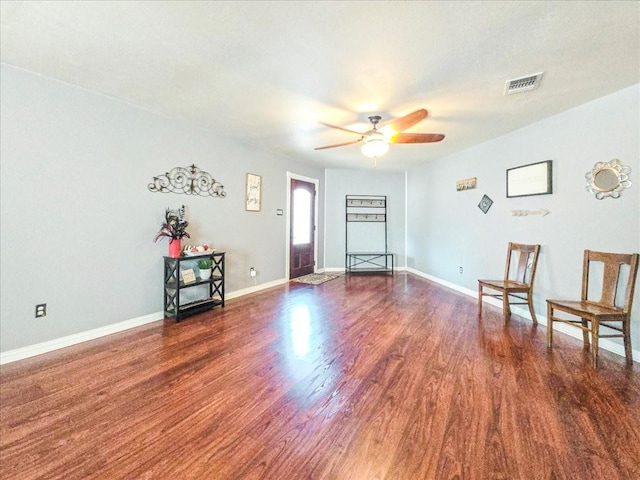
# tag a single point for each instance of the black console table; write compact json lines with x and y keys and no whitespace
{"x":212,"y":288}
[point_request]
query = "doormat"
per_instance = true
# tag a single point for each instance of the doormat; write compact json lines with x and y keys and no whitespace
{"x":315,"y":278}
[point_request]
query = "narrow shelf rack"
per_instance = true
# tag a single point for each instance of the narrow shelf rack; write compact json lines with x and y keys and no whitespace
{"x":367,"y":209}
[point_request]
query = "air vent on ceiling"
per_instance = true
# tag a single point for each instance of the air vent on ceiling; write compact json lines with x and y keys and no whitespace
{"x":523,"y":84}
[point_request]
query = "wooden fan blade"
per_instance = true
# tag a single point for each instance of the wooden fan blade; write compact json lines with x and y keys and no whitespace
{"x":402,"y":123}
{"x":416,"y":138}
{"x":340,"y":144}
{"x":340,"y":128}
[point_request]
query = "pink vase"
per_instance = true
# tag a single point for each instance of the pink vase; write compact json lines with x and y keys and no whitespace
{"x":174,"y":248}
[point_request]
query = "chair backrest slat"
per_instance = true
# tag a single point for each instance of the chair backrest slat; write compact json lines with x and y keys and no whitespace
{"x":527,"y":262}
{"x":612,"y":278}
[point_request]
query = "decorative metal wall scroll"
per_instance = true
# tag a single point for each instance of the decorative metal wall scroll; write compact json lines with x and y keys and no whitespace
{"x":608,"y":179}
{"x":188,"y":180}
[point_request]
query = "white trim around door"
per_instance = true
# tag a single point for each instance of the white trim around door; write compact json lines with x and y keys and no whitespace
{"x":315,"y":182}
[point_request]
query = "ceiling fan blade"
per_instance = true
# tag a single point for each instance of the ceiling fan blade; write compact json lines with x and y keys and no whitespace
{"x":340,"y":144}
{"x":402,"y":123}
{"x":416,"y":138}
{"x":340,"y":128}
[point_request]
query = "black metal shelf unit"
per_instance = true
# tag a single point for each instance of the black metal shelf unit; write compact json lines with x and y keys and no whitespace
{"x":367,"y":209}
{"x":173,"y":285}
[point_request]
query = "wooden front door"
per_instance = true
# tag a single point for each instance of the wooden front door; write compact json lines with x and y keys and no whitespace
{"x":302,"y":244}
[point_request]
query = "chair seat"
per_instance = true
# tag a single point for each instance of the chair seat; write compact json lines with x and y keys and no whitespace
{"x":587,"y":309}
{"x":511,"y":285}
{"x":517,"y":280}
{"x":610,"y":275}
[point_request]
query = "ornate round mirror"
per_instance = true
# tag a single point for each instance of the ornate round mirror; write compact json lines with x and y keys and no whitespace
{"x":608,"y":179}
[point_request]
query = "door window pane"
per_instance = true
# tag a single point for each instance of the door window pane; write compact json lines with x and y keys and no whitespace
{"x":301,"y":217}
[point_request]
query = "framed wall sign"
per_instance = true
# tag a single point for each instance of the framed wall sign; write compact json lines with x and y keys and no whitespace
{"x":532,"y":179}
{"x":253,"y":199}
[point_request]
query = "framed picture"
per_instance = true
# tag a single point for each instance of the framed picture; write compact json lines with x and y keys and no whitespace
{"x":532,"y":179}
{"x":253,"y":199}
{"x":188,"y":276}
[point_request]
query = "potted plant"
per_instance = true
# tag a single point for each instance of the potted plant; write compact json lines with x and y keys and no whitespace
{"x":205,"y":266}
{"x":174,"y":228}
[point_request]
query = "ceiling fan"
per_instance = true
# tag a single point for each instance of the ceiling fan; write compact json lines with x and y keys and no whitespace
{"x":377,"y":140}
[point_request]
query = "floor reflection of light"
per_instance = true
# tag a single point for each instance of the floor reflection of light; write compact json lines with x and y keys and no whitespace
{"x":300,"y":330}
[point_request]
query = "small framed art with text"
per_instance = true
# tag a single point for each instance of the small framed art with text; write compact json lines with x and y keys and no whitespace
{"x":253,"y":199}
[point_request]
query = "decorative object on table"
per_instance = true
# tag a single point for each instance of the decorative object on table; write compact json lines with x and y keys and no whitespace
{"x":205,"y":265}
{"x":188,"y":180}
{"x":524,"y":213}
{"x":188,"y":276}
{"x":315,"y":278}
{"x":608,"y":179}
{"x":466,"y":184}
{"x":174,"y":228}
{"x":253,"y":199}
{"x":532,"y":179}
{"x":196,"y":251}
{"x":485,"y":204}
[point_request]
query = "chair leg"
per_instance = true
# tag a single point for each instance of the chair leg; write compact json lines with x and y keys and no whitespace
{"x":585,"y":333}
{"x":549,"y":325}
{"x":479,"y":298}
{"x":530,"y":303}
{"x":626,"y":330}
{"x":505,"y":307}
{"x":595,"y":334}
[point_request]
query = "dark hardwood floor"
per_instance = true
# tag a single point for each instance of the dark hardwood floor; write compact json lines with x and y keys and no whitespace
{"x":362,"y":377}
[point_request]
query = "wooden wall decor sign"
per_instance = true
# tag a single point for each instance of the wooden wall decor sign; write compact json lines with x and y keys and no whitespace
{"x":466,"y":184}
{"x":253,"y":198}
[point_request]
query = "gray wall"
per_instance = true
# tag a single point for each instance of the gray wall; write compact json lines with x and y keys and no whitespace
{"x":447,"y":229}
{"x":340,"y":183}
{"x":77,"y":219}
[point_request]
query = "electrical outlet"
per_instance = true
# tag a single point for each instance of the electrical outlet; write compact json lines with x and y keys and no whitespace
{"x":460,"y":269}
{"x":41,"y":310}
{"x":252,"y":272}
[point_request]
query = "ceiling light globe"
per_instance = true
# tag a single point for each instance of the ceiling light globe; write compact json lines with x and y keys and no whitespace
{"x":375,"y":147}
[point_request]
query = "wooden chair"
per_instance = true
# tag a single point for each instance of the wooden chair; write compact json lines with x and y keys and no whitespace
{"x":609,"y":308}
{"x":517,"y":286}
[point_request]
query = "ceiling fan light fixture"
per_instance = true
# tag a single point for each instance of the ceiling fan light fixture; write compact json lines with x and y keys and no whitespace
{"x":375,"y":146}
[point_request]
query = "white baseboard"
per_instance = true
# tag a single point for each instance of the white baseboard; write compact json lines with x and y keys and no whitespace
{"x":57,"y":343}
{"x":255,"y":288}
{"x":342,"y":270}
{"x":604,"y":343}
{"x":332,"y":270}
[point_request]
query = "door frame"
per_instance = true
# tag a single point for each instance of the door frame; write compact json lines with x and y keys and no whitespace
{"x":316,"y":182}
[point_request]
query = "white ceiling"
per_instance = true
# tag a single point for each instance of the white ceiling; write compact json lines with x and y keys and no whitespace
{"x":267,"y":72}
